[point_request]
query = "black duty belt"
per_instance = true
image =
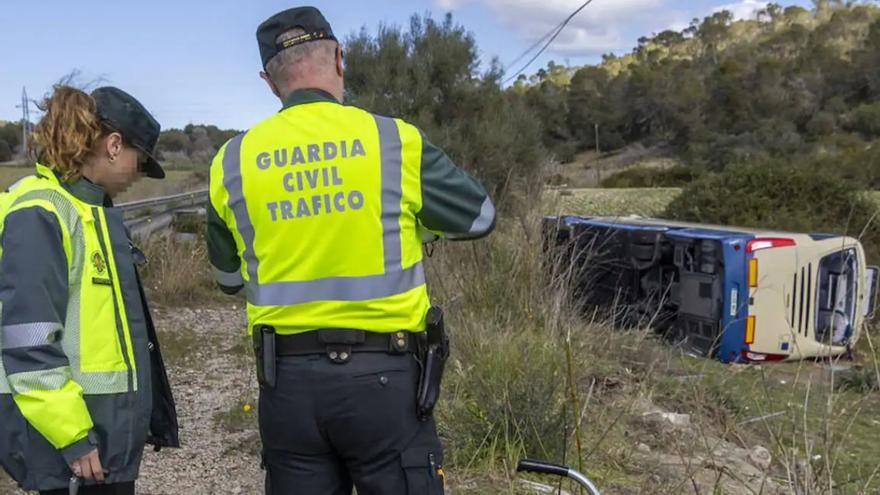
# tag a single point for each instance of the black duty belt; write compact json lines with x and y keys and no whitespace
{"x":340,"y":343}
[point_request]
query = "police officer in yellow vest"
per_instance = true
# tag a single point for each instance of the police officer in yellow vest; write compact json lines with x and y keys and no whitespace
{"x":318,"y":212}
{"x":82,"y":383}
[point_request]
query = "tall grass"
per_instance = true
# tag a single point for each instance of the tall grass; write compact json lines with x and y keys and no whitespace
{"x":532,"y":375}
{"x":525,"y":369}
{"x":177,"y":272}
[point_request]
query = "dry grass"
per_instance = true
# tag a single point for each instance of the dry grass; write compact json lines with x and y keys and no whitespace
{"x":175,"y":181}
{"x":612,"y":202}
{"x":622,"y":201}
{"x":528,"y":375}
{"x":178,"y":272}
{"x":589,"y":169}
{"x":10,"y":174}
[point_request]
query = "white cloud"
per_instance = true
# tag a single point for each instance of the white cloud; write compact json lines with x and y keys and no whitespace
{"x":450,"y":4}
{"x":603,"y":26}
{"x":743,"y":9}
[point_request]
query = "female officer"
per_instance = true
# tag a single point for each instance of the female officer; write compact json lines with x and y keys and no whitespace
{"x":82,"y":383}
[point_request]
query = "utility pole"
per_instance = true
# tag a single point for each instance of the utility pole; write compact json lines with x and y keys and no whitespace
{"x":25,"y":120}
{"x":596,"y":127}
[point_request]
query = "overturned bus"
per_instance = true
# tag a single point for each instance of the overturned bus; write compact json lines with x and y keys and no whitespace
{"x":735,"y":294}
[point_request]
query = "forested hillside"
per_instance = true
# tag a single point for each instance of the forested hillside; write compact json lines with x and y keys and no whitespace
{"x":795,"y":85}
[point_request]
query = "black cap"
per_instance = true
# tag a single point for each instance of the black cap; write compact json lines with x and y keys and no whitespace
{"x":122,"y":112}
{"x":309,"y":19}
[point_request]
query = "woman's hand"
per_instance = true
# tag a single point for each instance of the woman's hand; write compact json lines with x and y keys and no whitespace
{"x":88,"y":467}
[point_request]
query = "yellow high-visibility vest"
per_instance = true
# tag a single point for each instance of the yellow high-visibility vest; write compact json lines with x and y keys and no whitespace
{"x":94,"y":335}
{"x":321,"y":199}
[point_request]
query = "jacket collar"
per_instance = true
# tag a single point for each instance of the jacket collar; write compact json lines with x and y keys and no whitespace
{"x":82,"y":188}
{"x":308,"y":95}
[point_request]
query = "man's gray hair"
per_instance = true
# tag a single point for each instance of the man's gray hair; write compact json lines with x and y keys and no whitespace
{"x":311,"y":57}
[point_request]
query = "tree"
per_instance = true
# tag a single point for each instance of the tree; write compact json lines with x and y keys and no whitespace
{"x":11,"y":133}
{"x":430,"y":75}
{"x":596,"y":98}
{"x":669,"y":38}
{"x":202,"y":149}
{"x":548,"y":101}
{"x":5,"y":151}
{"x":867,"y":61}
{"x":713,"y":31}
{"x":173,"y":140}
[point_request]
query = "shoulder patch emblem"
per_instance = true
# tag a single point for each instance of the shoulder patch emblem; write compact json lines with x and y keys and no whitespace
{"x":98,"y":262}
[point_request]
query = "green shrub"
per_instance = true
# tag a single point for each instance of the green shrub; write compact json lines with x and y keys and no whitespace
{"x":821,"y":124}
{"x":858,"y":163}
{"x":864,"y":119}
{"x":772,"y":195}
{"x":5,"y":151}
{"x":860,"y":380}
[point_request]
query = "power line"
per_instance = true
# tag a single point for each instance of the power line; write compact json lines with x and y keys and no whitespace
{"x":535,"y":45}
{"x":556,"y":31}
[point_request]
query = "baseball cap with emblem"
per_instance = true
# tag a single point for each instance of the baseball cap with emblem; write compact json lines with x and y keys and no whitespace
{"x":309,"y":19}
{"x":123,"y":113}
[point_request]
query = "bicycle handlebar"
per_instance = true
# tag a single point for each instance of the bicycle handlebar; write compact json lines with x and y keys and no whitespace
{"x":541,"y":467}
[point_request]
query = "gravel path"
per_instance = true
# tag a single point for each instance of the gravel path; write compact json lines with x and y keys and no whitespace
{"x":212,"y":377}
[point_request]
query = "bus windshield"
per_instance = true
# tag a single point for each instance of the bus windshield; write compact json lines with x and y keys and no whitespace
{"x":836,"y":297}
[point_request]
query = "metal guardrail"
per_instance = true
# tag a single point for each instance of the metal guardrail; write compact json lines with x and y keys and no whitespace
{"x":146,"y":216}
{"x":191,"y":198}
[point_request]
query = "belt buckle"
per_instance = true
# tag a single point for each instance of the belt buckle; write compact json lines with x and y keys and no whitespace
{"x":339,"y":353}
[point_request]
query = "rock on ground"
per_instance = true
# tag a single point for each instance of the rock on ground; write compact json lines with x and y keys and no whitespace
{"x":709,"y":463}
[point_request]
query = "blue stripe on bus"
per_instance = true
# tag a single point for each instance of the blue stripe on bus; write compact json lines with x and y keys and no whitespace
{"x":733,"y":327}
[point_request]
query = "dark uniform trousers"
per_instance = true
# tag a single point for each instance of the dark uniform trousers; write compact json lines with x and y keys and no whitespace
{"x":327,"y":427}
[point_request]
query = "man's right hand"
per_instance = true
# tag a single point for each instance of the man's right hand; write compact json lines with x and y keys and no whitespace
{"x":88,"y":467}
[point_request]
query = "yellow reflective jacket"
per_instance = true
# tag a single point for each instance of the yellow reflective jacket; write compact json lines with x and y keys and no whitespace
{"x":79,"y":354}
{"x":325,"y":205}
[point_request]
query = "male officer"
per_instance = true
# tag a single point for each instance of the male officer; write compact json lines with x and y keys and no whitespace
{"x":318,"y":212}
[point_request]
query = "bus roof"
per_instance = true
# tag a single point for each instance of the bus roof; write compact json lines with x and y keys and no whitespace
{"x":684,"y":229}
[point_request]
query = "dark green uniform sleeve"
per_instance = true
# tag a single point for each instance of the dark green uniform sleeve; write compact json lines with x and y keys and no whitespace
{"x":454,"y":204}
{"x":223,"y":253}
{"x":33,"y":279}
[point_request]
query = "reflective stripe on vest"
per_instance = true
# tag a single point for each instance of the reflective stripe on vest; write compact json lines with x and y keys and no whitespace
{"x":30,"y":334}
{"x":394,"y":279}
{"x":4,"y":385}
{"x":93,"y":382}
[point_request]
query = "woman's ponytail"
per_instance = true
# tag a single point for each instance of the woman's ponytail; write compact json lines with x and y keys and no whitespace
{"x":68,"y":131}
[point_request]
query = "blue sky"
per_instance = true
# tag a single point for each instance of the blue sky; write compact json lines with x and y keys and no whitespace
{"x":196,"y":61}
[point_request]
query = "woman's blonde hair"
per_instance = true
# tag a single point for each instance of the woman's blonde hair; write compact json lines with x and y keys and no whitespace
{"x":68,"y":131}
